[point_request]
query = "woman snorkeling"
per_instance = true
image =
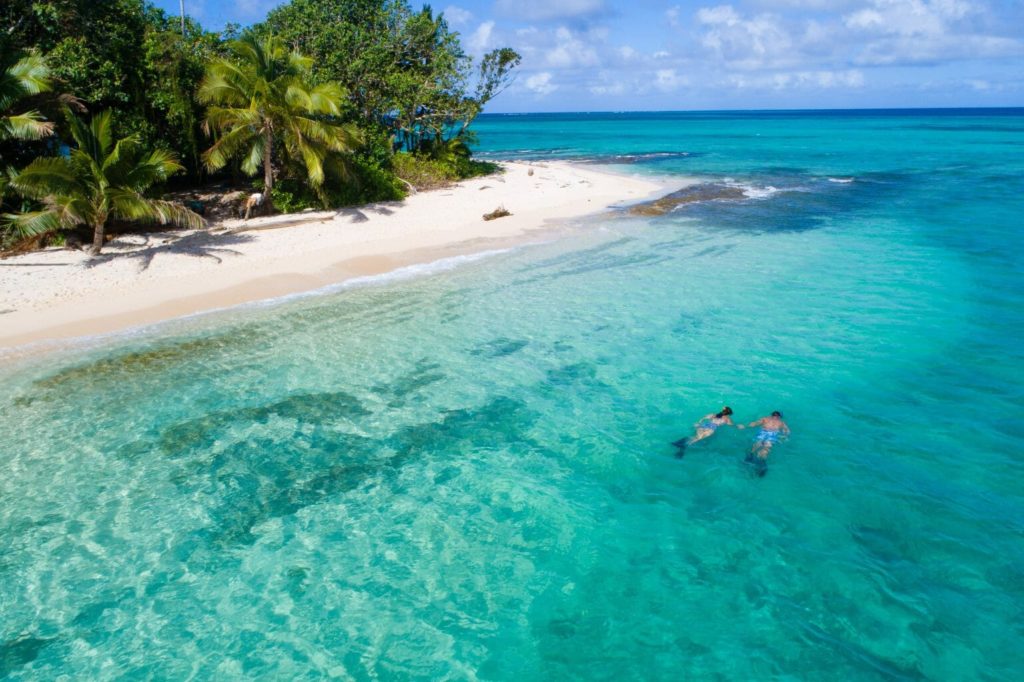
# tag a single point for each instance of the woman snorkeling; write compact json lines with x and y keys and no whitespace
{"x":704,"y":428}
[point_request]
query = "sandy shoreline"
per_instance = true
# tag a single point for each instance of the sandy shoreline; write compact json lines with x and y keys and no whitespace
{"x":143,"y":279}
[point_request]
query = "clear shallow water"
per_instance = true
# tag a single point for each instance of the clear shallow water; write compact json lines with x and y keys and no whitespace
{"x":466,"y":475}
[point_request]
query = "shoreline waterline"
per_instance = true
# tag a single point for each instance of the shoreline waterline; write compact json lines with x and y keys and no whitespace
{"x":280,"y":263}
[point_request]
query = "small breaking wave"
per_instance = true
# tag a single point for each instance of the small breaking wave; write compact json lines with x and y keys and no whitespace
{"x":842,"y":181}
{"x":630,"y":159}
{"x":751,"y":192}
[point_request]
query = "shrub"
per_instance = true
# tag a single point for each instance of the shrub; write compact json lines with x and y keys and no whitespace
{"x":422,"y":172}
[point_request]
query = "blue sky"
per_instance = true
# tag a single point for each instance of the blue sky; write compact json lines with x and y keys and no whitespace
{"x":615,"y":55}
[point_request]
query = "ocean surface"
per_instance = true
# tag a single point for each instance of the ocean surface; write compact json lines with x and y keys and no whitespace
{"x":462,"y":471}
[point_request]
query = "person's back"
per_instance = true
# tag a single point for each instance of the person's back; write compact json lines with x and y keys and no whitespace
{"x":772,"y":427}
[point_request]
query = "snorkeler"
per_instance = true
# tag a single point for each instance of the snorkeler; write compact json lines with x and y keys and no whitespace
{"x":707,"y":426}
{"x":772,"y":428}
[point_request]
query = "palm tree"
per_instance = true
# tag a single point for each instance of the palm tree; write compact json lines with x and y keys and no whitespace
{"x":100,"y":180}
{"x":21,"y":78}
{"x":262,"y":104}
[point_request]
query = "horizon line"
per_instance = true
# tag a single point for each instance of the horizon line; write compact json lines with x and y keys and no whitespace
{"x":738,"y":111}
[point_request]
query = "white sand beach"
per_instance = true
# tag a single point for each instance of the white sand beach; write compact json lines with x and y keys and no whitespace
{"x":141,"y":279}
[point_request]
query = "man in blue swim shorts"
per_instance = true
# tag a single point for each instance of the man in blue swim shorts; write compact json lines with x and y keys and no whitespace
{"x":772,"y":428}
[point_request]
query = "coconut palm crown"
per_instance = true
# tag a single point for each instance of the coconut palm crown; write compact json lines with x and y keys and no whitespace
{"x":100,"y":180}
{"x":262,"y":104}
{"x":20,"y":78}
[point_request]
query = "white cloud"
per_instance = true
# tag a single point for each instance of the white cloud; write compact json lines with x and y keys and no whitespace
{"x":822,"y":79}
{"x":570,"y":51}
{"x":922,"y":31}
{"x":540,"y":83}
{"x":672,"y":15}
{"x":457,"y":16}
{"x":613,"y":88}
{"x":481,"y":37}
{"x":550,"y":10}
{"x":668,"y":80}
{"x":742,"y":43}
{"x":908,"y":17}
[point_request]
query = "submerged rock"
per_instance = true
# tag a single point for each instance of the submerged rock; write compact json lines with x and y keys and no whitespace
{"x":687,"y":195}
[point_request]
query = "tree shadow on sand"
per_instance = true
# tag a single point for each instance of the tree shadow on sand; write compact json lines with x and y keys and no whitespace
{"x":358,"y":214}
{"x":355,"y":214}
{"x":198,"y":244}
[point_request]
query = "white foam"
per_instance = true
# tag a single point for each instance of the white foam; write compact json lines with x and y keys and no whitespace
{"x":752,"y":192}
{"x":399,"y":274}
{"x":843,"y":181}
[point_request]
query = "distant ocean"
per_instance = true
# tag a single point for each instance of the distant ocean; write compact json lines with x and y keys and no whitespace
{"x":464,"y":472}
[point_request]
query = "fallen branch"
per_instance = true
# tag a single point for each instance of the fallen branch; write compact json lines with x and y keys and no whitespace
{"x":499,"y":212}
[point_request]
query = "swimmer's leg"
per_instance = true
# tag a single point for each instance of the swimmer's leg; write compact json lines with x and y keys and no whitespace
{"x":701,"y":435}
{"x":758,"y":463}
{"x":762,"y":460}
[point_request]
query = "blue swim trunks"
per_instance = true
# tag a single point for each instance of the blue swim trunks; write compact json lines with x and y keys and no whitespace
{"x":707,"y":424}
{"x":765,"y":437}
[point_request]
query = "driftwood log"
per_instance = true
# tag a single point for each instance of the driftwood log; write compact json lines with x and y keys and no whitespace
{"x":499,"y":212}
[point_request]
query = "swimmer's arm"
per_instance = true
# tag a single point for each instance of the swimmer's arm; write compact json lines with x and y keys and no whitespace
{"x":757,"y":423}
{"x":785,"y":429}
{"x":730,"y":422}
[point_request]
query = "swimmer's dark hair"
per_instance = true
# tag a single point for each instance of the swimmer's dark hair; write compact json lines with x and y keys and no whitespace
{"x":776,"y":413}
{"x":726,"y":411}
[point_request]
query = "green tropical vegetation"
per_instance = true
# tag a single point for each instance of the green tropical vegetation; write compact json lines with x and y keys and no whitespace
{"x":20,"y":78}
{"x":261,"y":101}
{"x":98,"y":181}
{"x":107,"y":106}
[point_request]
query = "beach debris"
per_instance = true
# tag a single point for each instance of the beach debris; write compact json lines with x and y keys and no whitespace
{"x":530,"y":172}
{"x":499,"y":212}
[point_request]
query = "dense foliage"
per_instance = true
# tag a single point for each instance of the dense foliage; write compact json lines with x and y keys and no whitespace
{"x":99,"y":180}
{"x":405,"y":70}
{"x":357,"y":100}
{"x":261,"y":103}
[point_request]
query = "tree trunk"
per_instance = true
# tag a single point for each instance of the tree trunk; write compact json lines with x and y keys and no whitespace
{"x":268,"y":170}
{"x":97,"y":238}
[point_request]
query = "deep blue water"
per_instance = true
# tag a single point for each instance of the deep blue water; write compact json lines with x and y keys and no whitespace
{"x":466,"y":474}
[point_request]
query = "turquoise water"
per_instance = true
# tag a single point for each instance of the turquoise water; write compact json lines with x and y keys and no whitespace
{"x":463,"y":472}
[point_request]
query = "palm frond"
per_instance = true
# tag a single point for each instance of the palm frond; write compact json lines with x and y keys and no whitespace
{"x":313,"y":159}
{"x":225,"y":83}
{"x":229,"y":145}
{"x":132,"y":206}
{"x":222,"y":118}
{"x":32,"y":74}
{"x":327,"y":99}
{"x":337,"y":138}
{"x":33,"y":224}
{"x":157,"y":166}
{"x":103,"y":132}
{"x":122,"y":155}
{"x":45,"y":177}
{"x":27,"y":126}
{"x":253,"y":159}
